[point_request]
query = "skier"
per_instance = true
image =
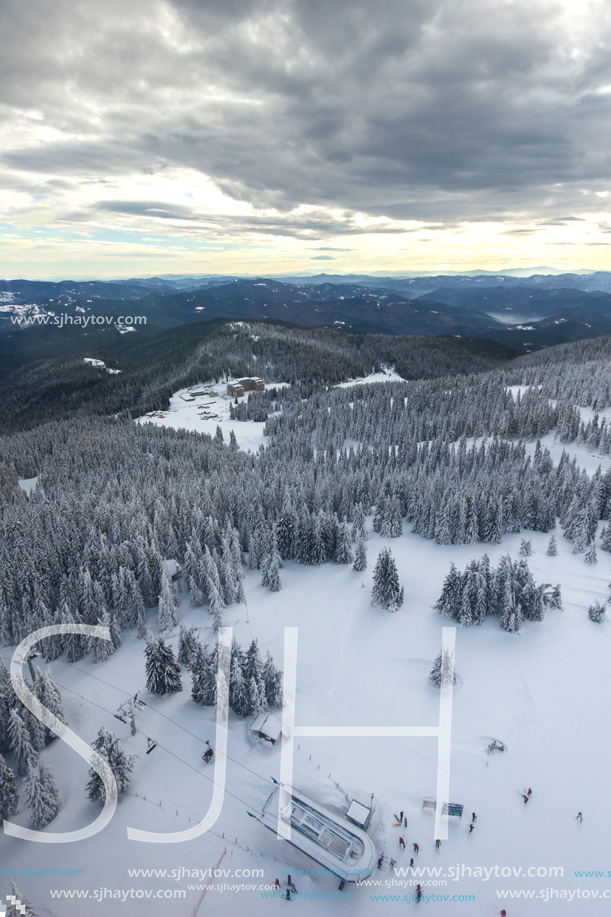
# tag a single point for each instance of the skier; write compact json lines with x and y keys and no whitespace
{"x":287,"y":897}
{"x":418,"y":892}
{"x":392,"y":863}
{"x":503,"y":913}
{"x":277,"y":883}
{"x":402,"y":843}
{"x":471,"y":827}
{"x":525,"y":798}
{"x":405,"y":822}
{"x":530,"y":792}
{"x":416,"y":848}
{"x":401,"y":815}
{"x":380,"y":861}
{"x":437,"y":844}
{"x":580,"y":817}
{"x":473,"y":817}
{"x":411,"y":862}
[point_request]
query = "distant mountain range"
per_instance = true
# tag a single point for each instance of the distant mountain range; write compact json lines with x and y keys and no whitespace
{"x":525,"y":313}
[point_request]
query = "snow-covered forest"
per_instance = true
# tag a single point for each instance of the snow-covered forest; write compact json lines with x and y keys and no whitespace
{"x":358,"y":503}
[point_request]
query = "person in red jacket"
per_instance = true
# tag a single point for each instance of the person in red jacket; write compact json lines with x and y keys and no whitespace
{"x":416,"y":848}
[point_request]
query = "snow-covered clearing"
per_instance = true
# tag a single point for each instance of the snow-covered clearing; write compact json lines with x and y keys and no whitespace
{"x":99,"y":364}
{"x":203,"y":413}
{"x":28,"y":485}
{"x":386,"y":374}
{"x":544,"y":693}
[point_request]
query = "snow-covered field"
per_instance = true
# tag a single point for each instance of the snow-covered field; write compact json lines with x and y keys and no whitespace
{"x":204,"y":413}
{"x":544,"y":693}
{"x":386,"y":374}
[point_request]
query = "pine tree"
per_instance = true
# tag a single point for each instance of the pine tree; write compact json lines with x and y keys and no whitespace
{"x":552,"y":548}
{"x":204,"y":678}
{"x":511,"y":621}
{"x":216,"y":607}
{"x":121,"y":764}
{"x":6,"y":700}
{"x":115,"y":633}
{"x":162,"y":670}
{"x":360,"y":554}
{"x":187,"y":645}
{"x":272,"y":680}
{"x":102,"y":649}
{"x":605,"y":539}
{"x":9,"y":798}
{"x":238,"y":695}
{"x":42,"y":794}
{"x":20,"y":743}
{"x":48,"y":694}
{"x":257,"y":702}
{"x":386,"y":592}
{"x":596,"y":612}
{"x":440,"y":673}
{"x":556,"y":598}
{"x":525,"y":548}
{"x":449,"y":602}
{"x":343,"y":550}
{"x":591,"y":556}
{"x":168,"y":605}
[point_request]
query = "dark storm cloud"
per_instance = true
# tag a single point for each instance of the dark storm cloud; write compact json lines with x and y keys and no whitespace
{"x":405,"y":109}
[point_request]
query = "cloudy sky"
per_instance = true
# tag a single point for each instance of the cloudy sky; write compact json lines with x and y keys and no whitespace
{"x":272,"y":136}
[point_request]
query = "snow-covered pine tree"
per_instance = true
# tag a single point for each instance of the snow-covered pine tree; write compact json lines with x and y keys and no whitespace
{"x":449,"y":602}
{"x":591,"y":557}
{"x":141,"y":624}
{"x":257,"y":702}
{"x":75,"y":645}
{"x":238,"y":695}
{"x":6,"y":698}
{"x":42,"y":795}
{"x":216,"y":606}
{"x":48,"y":694}
{"x":203,"y":671}
{"x":272,"y":680}
{"x":92,"y":604}
{"x":120,"y":762}
{"x":20,"y":743}
{"x":101,"y":649}
{"x":386,"y":592}
{"x":115,"y":633}
{"x":596,"y":612}
{"x":168,"y":604}
{"x":9,"y":797}
{"x":359,"y":530}
{"x":511,"y":620}
{"x":552,"y":548}
{"x":187,"y":645}
{"x":525,"y":548}
{"x":360,"y":554}
{"x":343,"y":549}
{"x":556,"y":598}
{"x":440,"y":673}
{"x":162,"y":670}
{"x":605,"y":538}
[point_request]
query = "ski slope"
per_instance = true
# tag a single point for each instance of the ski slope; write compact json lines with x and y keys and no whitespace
{"x":544,"y":693}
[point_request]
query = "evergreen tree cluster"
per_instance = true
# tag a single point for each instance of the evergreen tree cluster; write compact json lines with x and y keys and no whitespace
{"x":255,"y":685}
{"x":23,"y":737}
{"x":442,"y":667}
{"x":441,"y":455}
{"x":509,"y":592}
{"x":121,"y":764}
